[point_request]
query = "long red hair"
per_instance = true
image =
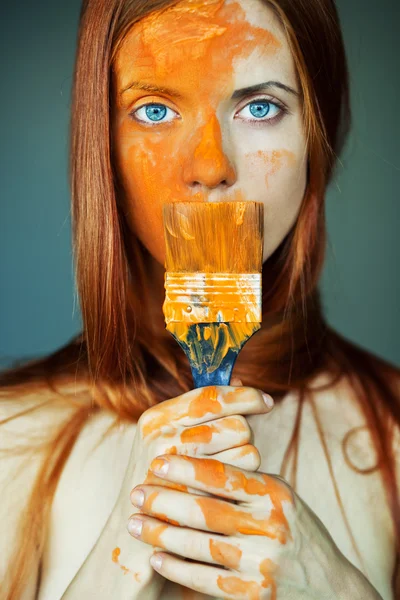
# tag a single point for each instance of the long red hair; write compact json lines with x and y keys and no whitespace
{"x":123,"y":364}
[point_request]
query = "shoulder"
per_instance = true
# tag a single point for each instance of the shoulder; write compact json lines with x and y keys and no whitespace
{"x":344,"y":424}
{"x":30,"y":418}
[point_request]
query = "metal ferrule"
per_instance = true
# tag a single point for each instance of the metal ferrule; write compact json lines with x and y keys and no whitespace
{"x":212,"y":297}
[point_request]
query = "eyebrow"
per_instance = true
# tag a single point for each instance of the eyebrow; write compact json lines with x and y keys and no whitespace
{"x":237,"y":94}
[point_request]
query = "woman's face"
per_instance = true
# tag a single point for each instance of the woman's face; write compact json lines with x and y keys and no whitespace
{"x":186,"y":128}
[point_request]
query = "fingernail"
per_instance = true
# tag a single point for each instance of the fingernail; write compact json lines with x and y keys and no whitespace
{"x":159,"y":466}
{"x":137,"y":498}
{"x":135,"y":527}
{"x":156,"y":561}
{"x":268,"y":400}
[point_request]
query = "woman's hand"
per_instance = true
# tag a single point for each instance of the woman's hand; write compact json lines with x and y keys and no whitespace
{"x":205,"y":422}
{"x":260,"y":538}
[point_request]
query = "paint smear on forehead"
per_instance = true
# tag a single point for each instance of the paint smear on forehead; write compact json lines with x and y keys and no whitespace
{"x":199,"y":36}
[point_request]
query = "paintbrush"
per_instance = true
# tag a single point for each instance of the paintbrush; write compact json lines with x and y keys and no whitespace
{"x":213,"y":282}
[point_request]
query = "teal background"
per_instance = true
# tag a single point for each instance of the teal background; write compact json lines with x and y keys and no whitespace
{"x":361,"y":288}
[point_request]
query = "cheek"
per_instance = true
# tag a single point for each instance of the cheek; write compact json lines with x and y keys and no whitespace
{"x":148,"y":184}
{"x":279,"y":178}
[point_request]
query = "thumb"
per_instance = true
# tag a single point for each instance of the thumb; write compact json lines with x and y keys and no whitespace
{"x":236,"y":381}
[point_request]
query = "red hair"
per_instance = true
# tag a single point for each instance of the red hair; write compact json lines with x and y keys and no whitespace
{"x":124,"y":364}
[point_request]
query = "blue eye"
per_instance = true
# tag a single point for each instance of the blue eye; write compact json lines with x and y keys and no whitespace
{"x":261,"y":108}
{"x":154,"y":112}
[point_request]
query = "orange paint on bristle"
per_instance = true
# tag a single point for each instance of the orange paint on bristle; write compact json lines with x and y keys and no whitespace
{"x":213,"y":275}
{"x":214,"y":237}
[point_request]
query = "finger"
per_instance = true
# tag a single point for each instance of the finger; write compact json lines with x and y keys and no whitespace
{"x":235,"y":381}
{"x":225,"y":481}
{"x":186,"y":510}
{"x":215,"y":436}
{"x":210,"y":514}
{"x":245,"y":457}
{"x":213,"y":581}
{"x":196,"y":545}
{"x":202,"y":405}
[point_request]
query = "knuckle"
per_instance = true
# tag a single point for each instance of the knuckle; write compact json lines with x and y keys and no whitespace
{"x":241,"y":427}
{"x":253,"y":458}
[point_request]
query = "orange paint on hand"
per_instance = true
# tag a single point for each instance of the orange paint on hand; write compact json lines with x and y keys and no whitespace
{"x":235,"y":586}
{"x":152,"y":479}
{"x":225,"y":554}
{"x":269,"y":569}
{"x":206,"y":401}
{"x":251,"y":589}
{"x":154,"y":535}
{"x":217,"y":476}
{"x":202,"y":434}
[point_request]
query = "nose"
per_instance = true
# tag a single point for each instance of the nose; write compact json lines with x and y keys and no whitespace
{"x":206,"y":164}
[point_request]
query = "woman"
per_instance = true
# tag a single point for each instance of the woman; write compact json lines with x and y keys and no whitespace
{"x":205,"y":100}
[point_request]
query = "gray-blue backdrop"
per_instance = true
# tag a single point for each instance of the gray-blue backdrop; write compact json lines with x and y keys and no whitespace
{"x":361,"y":288}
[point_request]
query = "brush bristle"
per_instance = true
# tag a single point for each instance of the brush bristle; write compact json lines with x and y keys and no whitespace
{"x":214,"y":237}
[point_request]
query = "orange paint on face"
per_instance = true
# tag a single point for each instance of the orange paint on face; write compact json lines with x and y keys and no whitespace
{"x":225,"y":554}
{"x":191,"y":47}
{"x":270,"y":162}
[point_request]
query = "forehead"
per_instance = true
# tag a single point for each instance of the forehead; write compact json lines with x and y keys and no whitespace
{"x":233,"y":39}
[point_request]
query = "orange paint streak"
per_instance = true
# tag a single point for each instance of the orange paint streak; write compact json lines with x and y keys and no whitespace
{"x":152,"y":479}
{"x":237,"y":587}
{"x":274,"y":160}
{"x":225,"y":554}
{"x":172,"y":450}
{"x":148,"y":508}
{"x":269,"y":569}
{"x":202,"y":434}
{"x":206,"y":401}
{"x":115,"y":558}
{"x":115,"y":555}
{"x":245,"y":451}
{"x":191,"y":47}
{"x":209,"y":472}
{"x":215,"y":474}
{"x":153,"y":536}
